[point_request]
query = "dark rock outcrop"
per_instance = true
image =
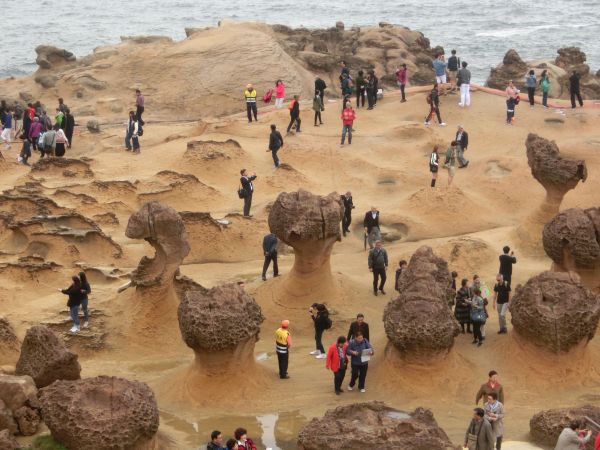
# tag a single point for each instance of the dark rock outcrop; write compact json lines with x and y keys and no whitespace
{"x":50,"y":57}
{"x":546,"y":426}
{"x":512,"y":68}
{"x":7,"y":441}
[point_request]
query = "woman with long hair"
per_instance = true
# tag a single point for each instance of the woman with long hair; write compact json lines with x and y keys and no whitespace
{"x":85,"y":291}
{"x":74,"y":291}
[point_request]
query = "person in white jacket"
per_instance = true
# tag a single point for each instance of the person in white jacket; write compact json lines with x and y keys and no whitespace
{"x":131,"y":133}
{"x":569,"y":438}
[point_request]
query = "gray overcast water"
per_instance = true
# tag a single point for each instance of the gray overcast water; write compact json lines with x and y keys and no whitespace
{"x":481,"y":30}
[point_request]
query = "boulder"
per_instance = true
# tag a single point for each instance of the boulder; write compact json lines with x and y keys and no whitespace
{"x":555,"y":311}
{"x":50,"y":57}
{"x":46,"y":80}
{"x":28,"y":420}
{"x":101,"y":413}
{"x":546,"y":426}
{"x":512,"y":68}
{"x":570,"y":56}
{"x":419,"y":322}
{"x":93,"y":126}
{"x":7,"y":422}
{"x":7,"y":441}
{"x":17,"y":391}
{"x":9,"y":343}
{"x":45,"y":358}
{"x":373,"y":425}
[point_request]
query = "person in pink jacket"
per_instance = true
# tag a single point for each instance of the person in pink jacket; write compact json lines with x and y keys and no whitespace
{"x":337,"y":362}
{"x":401,"y":77}
{"x":279,"y":94}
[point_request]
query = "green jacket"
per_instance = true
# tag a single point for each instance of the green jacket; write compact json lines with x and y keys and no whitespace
{"x":317,"y":104}
{"x":545,"y":85}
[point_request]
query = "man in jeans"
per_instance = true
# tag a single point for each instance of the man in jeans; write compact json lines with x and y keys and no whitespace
{"x":348,"y":116}
{"x":378,"y":263}
{"x":453,"y":66}
{"x":270,"y":250}
{"x":356,"y":347}
{"x":462,"y":141}
{"x":502,"y":299}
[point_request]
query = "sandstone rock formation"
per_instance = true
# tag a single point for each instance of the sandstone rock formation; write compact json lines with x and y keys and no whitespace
{"x":45,"y":358}
{"x":311,"y":225}
{"x":555,"y":311}
{"x":101,"y":413}
{"x":546,"y":426}
{"x":19,"y":406}
{"x":163,"y":229}
{"x":572,"y":240}
{"x":419,"y":322}
{"x":221,"y":326}
{"x":9,"y":343}
{"x":512,"y":68}
{"x":380,"y":427}
{"x":50,"y":57}
{"x":7,"y":441}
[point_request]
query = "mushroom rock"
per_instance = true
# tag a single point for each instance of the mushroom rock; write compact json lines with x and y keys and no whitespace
{"x":546,"y":426}
{"x":555,"y":311}
{"x":379,"y":427}
{"x":50,"y":57}
{"x":9,"y":343}
{"x":45,"y":358}
{"x":558,"y":175}
{"x":101,"y":413}
{"x":7,"y":441}
{"x":512,"y":68}
{"x":419,"y":322}
{"x":310,"y":224}
{"x":572,"y":240}
{"x":221,"y":325}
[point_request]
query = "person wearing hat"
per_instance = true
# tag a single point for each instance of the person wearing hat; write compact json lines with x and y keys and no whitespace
{"x":250,"y":95}
{"x":283,"y":343}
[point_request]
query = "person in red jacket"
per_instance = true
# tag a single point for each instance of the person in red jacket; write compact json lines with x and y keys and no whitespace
{"x":401,"y":77}
{"x":337,"y":362}
{"x":348,"y":116}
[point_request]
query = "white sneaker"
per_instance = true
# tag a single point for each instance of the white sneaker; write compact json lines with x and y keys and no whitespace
{"x":321,"y":356}
{"x":86,"y":324}
{"x":363,"y":391}
{"x":314,"y":352}
{"x":443,"y":124}
{"x":73,"y":329}
{"x":426,"y":124}
{"x":350,"y":388}
{"x":461,"y":105}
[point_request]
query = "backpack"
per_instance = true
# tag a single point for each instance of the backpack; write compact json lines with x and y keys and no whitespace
{"x":328,"y":323}
{"x":268,"y":96}
{"x":241,"y":192}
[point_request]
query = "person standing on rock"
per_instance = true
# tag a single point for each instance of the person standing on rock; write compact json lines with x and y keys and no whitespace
{"x":531,"y":83}
{"x":61,"y":141}
{"x":248,"y":190}
{"x":574,"y":89}
{"x":402,"y":265}
{"x":434,"y":164}
{"x":321,"y":321}
{"x":360,"y":350}
{"x":216,"y":441}
{"x":61,"y":105}
{"x":462,"y":142}
{"x":283,"y":344}
{"x":35,"y":129}
{"x":450,"y":162}
{"x":7,"y":120}
{"x":545,"y":86}
{"x":348,"y":207}
{"x":464,"y":83}
{"x":75,"y":296}
{"x":371,"y":225}
{"x":132,"y":134}
{"x":378,"y":264}
{"x":494,"y":413}
{"x":279,"y":94}
{"x":359,"y":325}
{"x":361,"y":89}
{"x":479,"y":435}
{"x":275,"y":144}
{"x":507,"y":260}
{"x":270,"y":242}
{"x":69,"y":126}
{"x":348,"y":116}
{"x":512,"y":94}
{"x":86,"y":290}
{"x":48,"y":143}
{"x":433,"y":100}
{"x":502,"y":299}
{"x":453,"y":66}
{"x":462,"y":309}
{"x":345,"y":71}
{"x":317,"y":108}
{"x":439,"y":67}
{"x":401,"y":79}
{"x":570,"y":438}
{"x":337,"y":362}
{"x":371,"y":89}
{"x":477,"y":316}
{"x":346,"y":87}
{"x":294,"y":115}
{"x":250,"y":96}
{"x":492,"y":385}
{"x":139,"y":107}
{"x":320,"y":87}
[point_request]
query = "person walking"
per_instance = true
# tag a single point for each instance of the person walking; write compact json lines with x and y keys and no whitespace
{"x":283,"y":344}
{"x":321,"y":321}
{"x":69,"y":126}
{"x":477,"y":316}
{"x":270,"y":242}
{"x":531,"y":83}
{"x":279,"y":94}
{"x":348,"y":116}
{"x":371,"y":225}
{"x":512,"y":95}
{"x":86,"y":290}
{"x":574,"y":89}
{"x":320,"y":87}
{"x":401,"y":79}
{"x":502,"y":300}
{"x":378,"y":264}
{"x":361,"y":92}
{"x":462,"y":142}
{"x":401,"y":266}
{"x":317,"y":107}
{"x":139,"y":107}
{"x":250,"y":96}
{"x":433,"y":100}
{"x":462,"y":309}
{"x":74,"y":291}
{"x":545,"y":86}
{"x":464,"y":83}
{"x":35,"y":129}
{"x":453,"y":67}
{"x":275,"y":144}
{"x":494,"y":413}
{"x":348,"y":207}
{"x":507,"y":260}
{"x":570,"y":437}
{"x":59,"y":118}
{"x":434,"y":164}
{"x":247,"y":190}
{"x":132,"y":134}
{"x":450,"y":162}
{"x":337,"y":362}
{"x":25,"y":152}
{"x":61,"y":140}
{"x":48,"y":143}
{"x":360,"y":351}
{"x":6,"y":135}
{"x":492,"y":385}
{"x":479,"y":435}
{"x":359,"y":325}
{"x":294,"y":114}
{"x":216,"y":441}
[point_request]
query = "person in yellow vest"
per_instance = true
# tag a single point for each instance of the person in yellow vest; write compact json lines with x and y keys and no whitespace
{"x":250,"y":95}
{"x":283,"y":343}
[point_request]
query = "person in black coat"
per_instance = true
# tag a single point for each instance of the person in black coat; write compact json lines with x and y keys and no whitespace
{"x":575,"y":89}
{"x":507,"y":259}
{"x":76,"y":294}
{"x":270,"y":250}
{"x":358,"y":325}
{"x":275,"y":143}
{"x":462,"y":309}
{"x":69,"y":126}
{"x":295,"y":115}
{"x":248,"y":189}
{"x":462,"y":140}
{"x":320,"y":87}
{"x":86,"y":290}
{"x":348,"y":207}
{"x":321,"y":321}
{"x":371,"y":224}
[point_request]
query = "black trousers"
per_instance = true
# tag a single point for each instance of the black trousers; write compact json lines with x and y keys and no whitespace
{"x":297,"y":121}
{"x":360,"y":97}
{"x":275,"y":157}
{"x":318,"y":340}
{"x":507,"y":278}
{"x":477,"y":331}
{"x":247,"y":203}
{"x":138,"y":115}
{"x":371,"y":97}
{"x":402,"y":87}
{"x":376,"y":274}
{"x":318,"y":116}
{"x":322,"y":95}
{"x":434,"y":110}
{"x":251,"y":110}
{"x":579,"y":99}
{"x":499,"y":443}
{"x":346,"y":221}
{"x":531,"y":95}
{"x":359,"y":372}
{"x":338,"y":379}
{"x":283,"y":360}
{"x":268,"y":258}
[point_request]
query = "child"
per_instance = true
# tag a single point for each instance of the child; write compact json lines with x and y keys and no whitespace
{"x":25,"y":152}
{"x":401,"y":266}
